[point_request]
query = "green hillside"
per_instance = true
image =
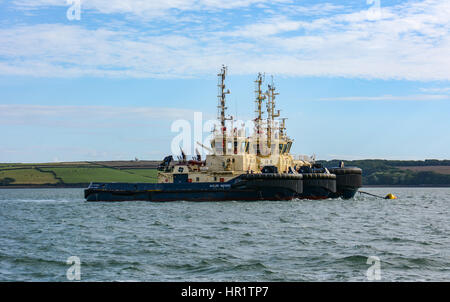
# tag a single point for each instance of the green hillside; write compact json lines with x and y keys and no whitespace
{"x":375,"y":172}
{"x":25,"y":176}
{"x":70,"y":174}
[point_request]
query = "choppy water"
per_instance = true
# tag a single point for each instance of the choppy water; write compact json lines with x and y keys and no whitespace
{"x":302,"y":240}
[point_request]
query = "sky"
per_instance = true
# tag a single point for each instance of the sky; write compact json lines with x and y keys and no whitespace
{"x":106,"y":79}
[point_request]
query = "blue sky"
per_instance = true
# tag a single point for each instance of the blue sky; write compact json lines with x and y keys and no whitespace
{"x":357,"y":79}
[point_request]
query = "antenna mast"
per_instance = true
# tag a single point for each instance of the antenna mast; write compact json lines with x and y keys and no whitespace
{"x":271,"y":115}
{"x":221,"y":114}
{"x":260,"y":97}
{"x":283,"y":127}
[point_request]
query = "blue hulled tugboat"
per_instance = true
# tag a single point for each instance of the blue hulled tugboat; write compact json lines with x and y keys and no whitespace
{"x":239,"y":167}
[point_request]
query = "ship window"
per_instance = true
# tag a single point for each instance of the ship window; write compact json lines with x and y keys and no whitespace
{"x":281,"y":148}
{"x":254,"y":148}
{"x":289,"y":147}
{"x":180,"y":169}
{"x":215,"y":178}
{"x":197,"y":179}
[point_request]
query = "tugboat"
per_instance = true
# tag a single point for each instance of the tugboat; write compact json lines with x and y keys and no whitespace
{"x":239,"y":167}
{"x":348,"y":181}
{"x":318,"y":182}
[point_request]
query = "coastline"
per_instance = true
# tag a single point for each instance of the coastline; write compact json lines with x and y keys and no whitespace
{"x":49,"y":186}
{"x":406,"y":186}
{"x":85,"y":185}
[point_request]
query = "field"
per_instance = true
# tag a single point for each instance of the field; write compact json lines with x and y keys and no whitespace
{"x":86,"y":175}
{"x":80,"y":173}
{"x":380,"y":172}
{"x":435,"y":169}
{"x":149,"y":173}
{"x":26,"y":176}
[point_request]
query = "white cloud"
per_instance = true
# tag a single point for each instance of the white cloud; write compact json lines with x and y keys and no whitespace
{"x":316,"y":9}
{"x":436,"y":90}
{"x":410,"y":41}
{"x":91,"y":116}
{"x":144,"y":8}
{"x":269,"y":28}
{"x":423,"y":97}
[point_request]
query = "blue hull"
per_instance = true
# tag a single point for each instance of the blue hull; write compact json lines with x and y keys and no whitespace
{"x":348,"y":181}
{"x":240,"y":188}
{"x":246,"y":187}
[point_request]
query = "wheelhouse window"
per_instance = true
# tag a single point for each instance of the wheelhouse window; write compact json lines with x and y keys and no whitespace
{"x":289,"y":145}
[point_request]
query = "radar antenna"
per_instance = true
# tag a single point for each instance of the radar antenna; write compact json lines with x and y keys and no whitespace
{"x":260,"y":97}
{"x":221,"y":106}
{"x":271,"y":115}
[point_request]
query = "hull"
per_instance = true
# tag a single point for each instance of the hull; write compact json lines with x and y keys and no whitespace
{"x":345,"y":193}
{"x":343,"y":183}
{"x":318,"y":186}
{"x":348,"y":181}
{"x":245,"y":187}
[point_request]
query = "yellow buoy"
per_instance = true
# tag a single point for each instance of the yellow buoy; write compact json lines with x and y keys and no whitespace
{"x":390,"y":196}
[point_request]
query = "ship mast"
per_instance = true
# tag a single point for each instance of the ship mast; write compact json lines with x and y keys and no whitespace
{"x":271,"y":115}
{"x":221,"y":106}
{"x":283,"y":127}
{"x":260,"y":97}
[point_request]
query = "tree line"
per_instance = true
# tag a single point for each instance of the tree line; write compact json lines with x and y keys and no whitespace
{"x":387,"y":172}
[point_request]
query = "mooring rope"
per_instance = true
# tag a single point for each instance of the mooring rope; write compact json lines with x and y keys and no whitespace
{"x":383,"y":197}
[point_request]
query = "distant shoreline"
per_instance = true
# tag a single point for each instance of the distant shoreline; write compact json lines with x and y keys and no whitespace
{"x":378,"y":173}
{"x":59,"y":186}
{"x":406,"y":186}
{"x":84,"y":186}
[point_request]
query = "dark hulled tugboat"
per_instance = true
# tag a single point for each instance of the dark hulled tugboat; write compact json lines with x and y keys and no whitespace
{"x":318,"y":182}
{"x":348,"y":181}
{"x":239,"y":167}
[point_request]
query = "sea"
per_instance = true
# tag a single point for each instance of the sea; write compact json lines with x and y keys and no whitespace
{"x":54,"y":235}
